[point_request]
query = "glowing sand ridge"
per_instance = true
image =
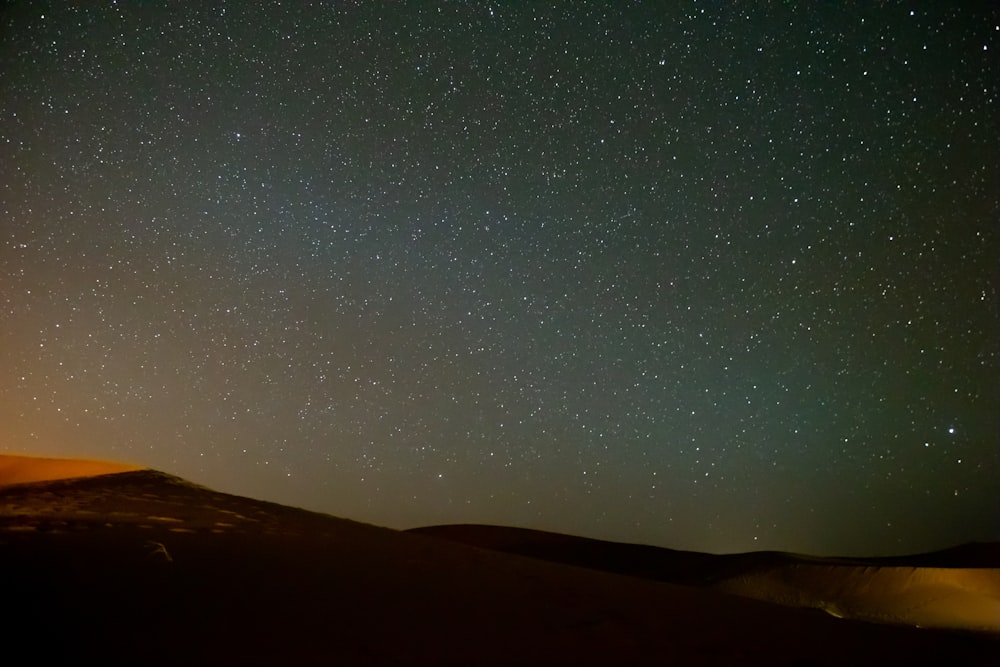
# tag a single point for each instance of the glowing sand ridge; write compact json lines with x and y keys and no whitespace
{"x":23,"y":469}
{"x":943,"y":597}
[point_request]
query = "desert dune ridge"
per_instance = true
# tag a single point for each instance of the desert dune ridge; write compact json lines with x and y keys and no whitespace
{"x":15,"y":469}
{"x":955,"y":589}
{"x":955,"y":597}
{"x":114,"y":564}
{"x":157,"y":560}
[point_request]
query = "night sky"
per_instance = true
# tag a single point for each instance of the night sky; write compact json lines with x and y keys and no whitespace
{"x":712,"y":276}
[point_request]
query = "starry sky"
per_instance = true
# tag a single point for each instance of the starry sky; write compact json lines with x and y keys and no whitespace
{"x":712,"y":276}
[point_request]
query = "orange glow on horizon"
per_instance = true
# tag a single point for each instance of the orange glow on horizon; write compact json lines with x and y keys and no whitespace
{"x":21,"y":469}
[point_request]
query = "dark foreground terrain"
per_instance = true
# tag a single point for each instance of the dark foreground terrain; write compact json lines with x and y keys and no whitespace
{"x":143,"y":568}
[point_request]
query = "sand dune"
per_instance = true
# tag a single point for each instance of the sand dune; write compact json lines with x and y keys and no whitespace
{"x":22,"y":469}
{"x":946,"y":593}
{"x":145,"y":568}
{"x":958,"y":598}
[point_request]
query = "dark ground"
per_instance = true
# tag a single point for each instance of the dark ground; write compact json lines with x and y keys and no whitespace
{"x":144,"y":568}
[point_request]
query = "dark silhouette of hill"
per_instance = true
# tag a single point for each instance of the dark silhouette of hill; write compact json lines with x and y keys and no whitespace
{"x":145,"y":568}
{"x":636,"y":560}
{"x":677,"y":566}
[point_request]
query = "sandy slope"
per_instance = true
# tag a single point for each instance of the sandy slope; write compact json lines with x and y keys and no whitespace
{"x":145,"y":568}
{"x":22,"y":469}
{"x":958,"y":589}
{"x":944,"y":597}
